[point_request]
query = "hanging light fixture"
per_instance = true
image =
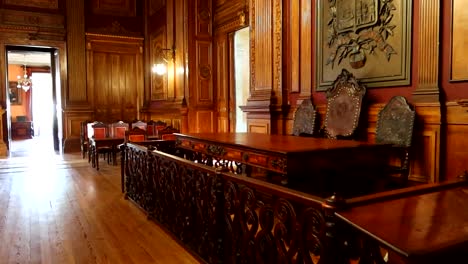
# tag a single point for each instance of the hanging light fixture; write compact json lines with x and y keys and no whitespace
{"x":24,"y":81}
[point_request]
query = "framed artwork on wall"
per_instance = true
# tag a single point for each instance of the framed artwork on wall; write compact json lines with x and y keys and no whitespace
{"x":14,"y":93}
{"x":459,"y":67}
{"x":369,"y":38}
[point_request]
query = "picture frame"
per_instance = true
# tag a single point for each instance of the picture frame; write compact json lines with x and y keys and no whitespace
{"x":369,"y":38}
{"x":14,"y":93}
{"x":458,"y":38}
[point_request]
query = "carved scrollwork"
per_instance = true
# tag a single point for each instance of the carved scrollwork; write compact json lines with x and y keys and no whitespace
{"x":357,"y":28}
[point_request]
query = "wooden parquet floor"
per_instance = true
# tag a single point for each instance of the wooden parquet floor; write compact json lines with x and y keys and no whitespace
{"x":58,"y":209}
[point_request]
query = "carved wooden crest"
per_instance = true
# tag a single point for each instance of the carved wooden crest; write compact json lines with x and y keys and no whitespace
{"x":358,"y":28}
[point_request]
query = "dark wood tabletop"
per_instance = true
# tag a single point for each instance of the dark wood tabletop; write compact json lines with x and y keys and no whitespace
{"x":276,"y":143}
{"x":315,"y":165}
{"x":417,"y":226}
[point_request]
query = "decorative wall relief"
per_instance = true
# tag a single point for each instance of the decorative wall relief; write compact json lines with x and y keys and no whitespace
{"x":125,"y":8}
{"x":459,"y":67}
{"x":371,"y":38}
{"x":158,"y":82}
{"x":47,"y":4}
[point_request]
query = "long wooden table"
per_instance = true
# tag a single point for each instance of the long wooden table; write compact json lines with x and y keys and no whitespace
{"x":98,"y":143}
{"x":421,"y":228}
{"x":319,"y":162}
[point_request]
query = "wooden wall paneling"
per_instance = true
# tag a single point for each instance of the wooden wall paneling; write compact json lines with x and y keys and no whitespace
{"x":204,"y":93}
{"x":258,"y":126}
{"x":180,"y":43}
{"x":205,"y":121}
{"x":222,"y":78}
{"x":45,"y":4}
{"x":72,"y":125}
{"x":116,"y":76}
{"x":48,"y":23}
{"x":294,"y":43}
{"x":306,"y":48}
{"x":155,"y":5}
{"x":77,"y":93}
{"x":455,"y":154}
{"x":114,"y":7}
{"x":266,"y":54}
{"x":159,"y":83}
{"x":201,"y":95}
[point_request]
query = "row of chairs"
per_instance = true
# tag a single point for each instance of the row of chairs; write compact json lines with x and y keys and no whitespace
{"x":130,"y":131}
{"x":395,"y":121}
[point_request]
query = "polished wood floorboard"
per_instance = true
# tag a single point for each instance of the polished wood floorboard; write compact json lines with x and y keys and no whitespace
{"x":58,"y":209}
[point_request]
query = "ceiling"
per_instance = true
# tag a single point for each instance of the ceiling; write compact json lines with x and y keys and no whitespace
{"x":30,"y":58}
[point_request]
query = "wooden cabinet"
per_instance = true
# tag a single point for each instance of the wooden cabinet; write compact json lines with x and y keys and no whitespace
{"x":22,"y":130}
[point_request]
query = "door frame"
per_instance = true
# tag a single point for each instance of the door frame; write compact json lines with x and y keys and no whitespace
{"x":59,"y":79}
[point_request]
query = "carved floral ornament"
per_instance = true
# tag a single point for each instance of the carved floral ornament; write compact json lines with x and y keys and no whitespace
{"x":357,"y":28}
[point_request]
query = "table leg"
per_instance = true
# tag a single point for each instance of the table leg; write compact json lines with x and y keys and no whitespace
{"x":96,"y":157}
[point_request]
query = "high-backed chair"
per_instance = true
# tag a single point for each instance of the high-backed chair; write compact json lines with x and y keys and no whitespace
{"x":117,"y":129}
{"x":140,"y":124}
{"x":136,"y":134}
{"x":344,"y":102}
{"x":98,"y":130}
{"x":395,"y":124}
{"x":167,"y":130}
{"x":304,"y":119}
{"x":84,"y":142}
{"x":153,"y":127}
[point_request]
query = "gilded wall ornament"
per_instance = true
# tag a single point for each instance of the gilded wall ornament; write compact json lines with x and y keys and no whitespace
{"x":357,"y":28}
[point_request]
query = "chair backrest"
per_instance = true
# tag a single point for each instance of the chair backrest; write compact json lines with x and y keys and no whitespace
{"x":395,"y":123}
{"x":117,"y":129}
{"x":98,"y":130}
{"x":136,"y":134}
{"x":167,"y":130}
{"x":140,"y":124}
{"x":153,"y":127}
{"x":344,"y":102}
{"x":84,"y":130}
{"x":304,"y":119}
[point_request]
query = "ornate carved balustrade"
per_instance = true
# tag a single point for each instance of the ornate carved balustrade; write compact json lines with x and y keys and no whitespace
{"x":228,"y":218}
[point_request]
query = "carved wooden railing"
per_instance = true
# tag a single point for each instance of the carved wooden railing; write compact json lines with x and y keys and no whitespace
{"x":228,"y":218}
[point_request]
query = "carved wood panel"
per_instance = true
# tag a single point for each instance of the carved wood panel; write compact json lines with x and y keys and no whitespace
{"x":114,"y":7}
{"x":115,"y":75}
{"x":222,"y":87}
{"x":155,"y":5}
{"x":47,"y":4}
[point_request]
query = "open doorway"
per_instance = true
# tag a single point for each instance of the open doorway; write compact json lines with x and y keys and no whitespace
{"x":30,"y":104}
{"x":241,"y":77}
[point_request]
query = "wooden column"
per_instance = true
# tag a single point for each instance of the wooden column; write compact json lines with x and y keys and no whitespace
{"x":427,"y":89}
{"x":264,"y":106}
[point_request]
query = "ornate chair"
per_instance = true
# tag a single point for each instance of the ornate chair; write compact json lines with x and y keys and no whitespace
{"x":84,"y":142}
{"x":136,"y":134}
{"x":344,"y":101}
{"x":140,"y":124}
{"x":395,"y":126}
{"x":117,"y":129}
{"x":304,"y":119}
{"x":167,"y":130}
{"x":98,"y":130}
{"x":153,"y":127}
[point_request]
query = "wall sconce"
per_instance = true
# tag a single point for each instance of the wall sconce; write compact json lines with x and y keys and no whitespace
{"x":164,"y":56}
